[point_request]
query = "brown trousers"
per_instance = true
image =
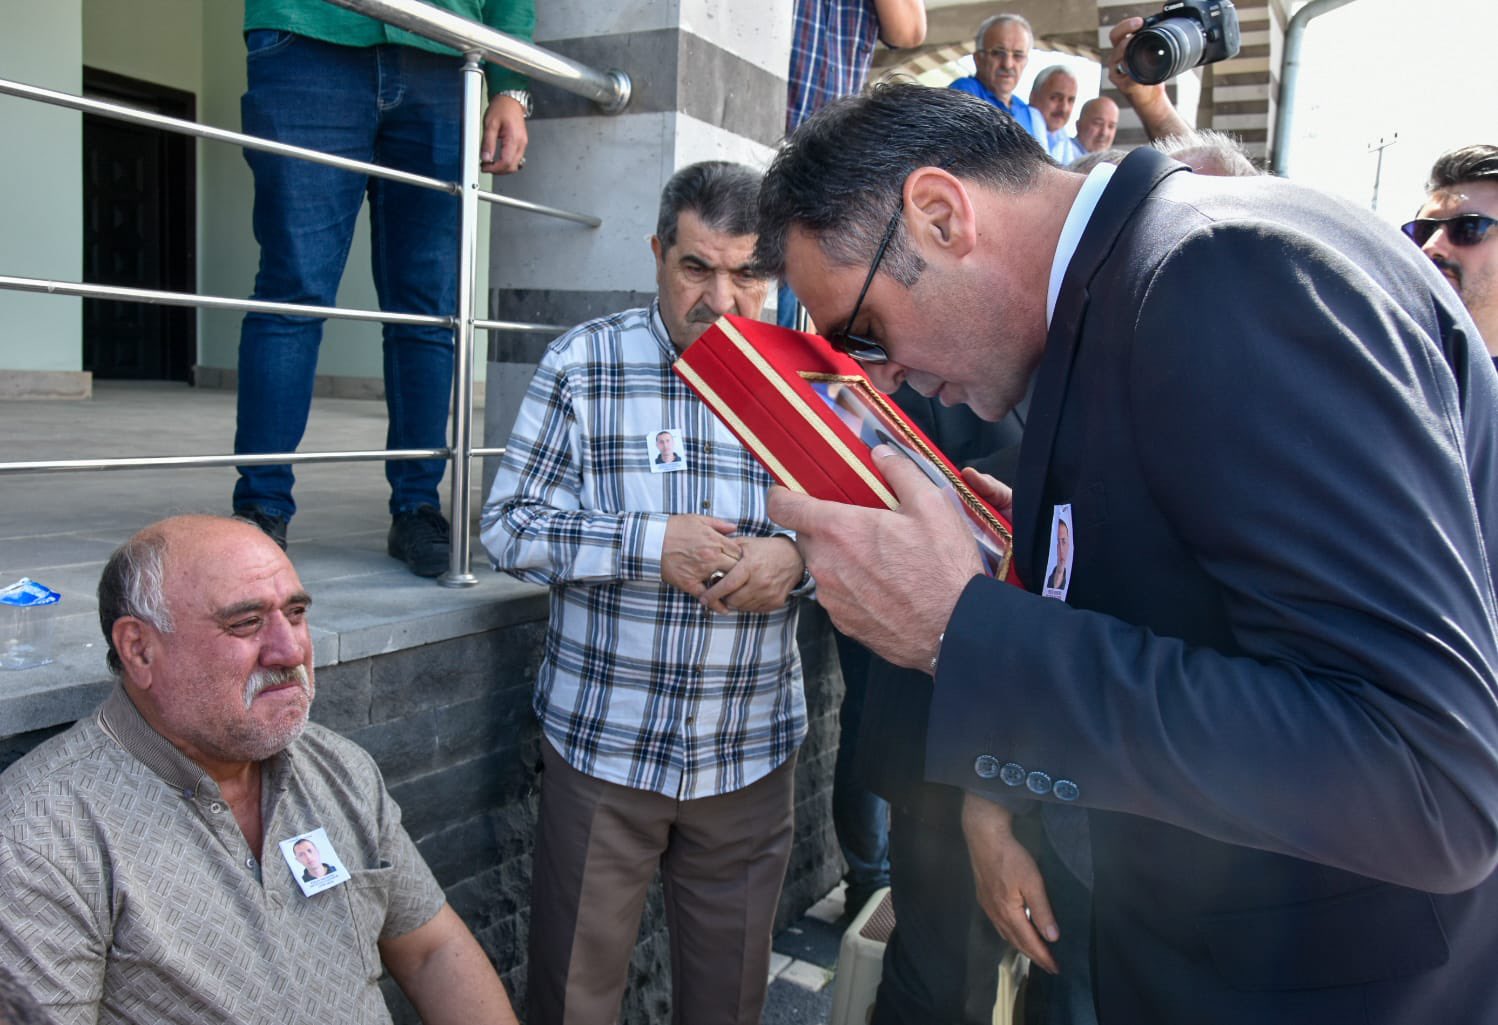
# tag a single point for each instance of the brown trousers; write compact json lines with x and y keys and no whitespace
{"x":722,"y":861}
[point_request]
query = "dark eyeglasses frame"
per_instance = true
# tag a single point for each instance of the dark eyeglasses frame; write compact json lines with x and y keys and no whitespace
{"x":866,"y":350}
{"x":1462,"y":230}
{"x":998,"y":52}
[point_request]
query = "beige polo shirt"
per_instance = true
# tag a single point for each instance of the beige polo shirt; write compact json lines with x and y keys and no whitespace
{"x":130,"y":895}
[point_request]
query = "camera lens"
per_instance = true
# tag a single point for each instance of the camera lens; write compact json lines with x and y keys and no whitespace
{"x":1161,"y":52}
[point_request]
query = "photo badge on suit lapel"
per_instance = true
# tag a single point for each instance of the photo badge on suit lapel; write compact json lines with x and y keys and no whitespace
{"x":1062,"y":554}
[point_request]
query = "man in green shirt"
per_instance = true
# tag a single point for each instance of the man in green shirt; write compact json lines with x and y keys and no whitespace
{"x":326,"y":78}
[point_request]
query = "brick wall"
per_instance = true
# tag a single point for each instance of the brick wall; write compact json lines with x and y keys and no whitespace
{"x":451,"y":727}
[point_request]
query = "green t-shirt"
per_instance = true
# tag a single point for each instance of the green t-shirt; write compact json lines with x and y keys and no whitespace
{"x":318,"y":20}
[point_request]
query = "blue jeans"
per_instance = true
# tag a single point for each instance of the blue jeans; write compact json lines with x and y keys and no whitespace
{"x":392,"y":105}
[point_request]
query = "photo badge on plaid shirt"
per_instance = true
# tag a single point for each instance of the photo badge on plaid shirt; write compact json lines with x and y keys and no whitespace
{"x":663,"y":448}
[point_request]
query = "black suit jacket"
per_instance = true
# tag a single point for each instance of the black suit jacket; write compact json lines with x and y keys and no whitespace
{"x":1273,"y":680}
{"x":891,"y":752}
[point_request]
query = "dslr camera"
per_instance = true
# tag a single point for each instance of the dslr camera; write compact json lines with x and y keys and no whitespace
{"x":1185,"y":34}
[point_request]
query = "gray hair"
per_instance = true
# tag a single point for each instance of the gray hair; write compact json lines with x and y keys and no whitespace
{"x":133,"y":584}
{"x":723,"y":194}
{"x":1043,"y":79}
{"x":841,"y":175}
{"x":1087,"y":161}
{"x":1209,"y":152}
{"x":1000,"y":19}
{"x":1203,"y":150}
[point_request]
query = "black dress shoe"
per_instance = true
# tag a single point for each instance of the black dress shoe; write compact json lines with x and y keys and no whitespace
{"x":421,"y":539}
{"x":274,"y":526}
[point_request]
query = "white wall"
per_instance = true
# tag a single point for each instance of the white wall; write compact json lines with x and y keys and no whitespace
{"x":156,"y":41}
{"x":41,"y":181}
{"x":227,"y":256}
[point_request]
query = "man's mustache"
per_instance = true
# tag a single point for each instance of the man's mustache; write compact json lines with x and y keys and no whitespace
{"x":1447,"y":267}
{"x":262,"y":680}
{"x":702,"y":313}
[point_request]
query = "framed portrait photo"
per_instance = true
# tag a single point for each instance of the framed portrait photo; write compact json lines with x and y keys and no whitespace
{"x":812,"y":417}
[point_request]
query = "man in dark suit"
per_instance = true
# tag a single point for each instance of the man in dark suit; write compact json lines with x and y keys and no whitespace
{"x":1272,"y":680}
{"x":941,"y":962}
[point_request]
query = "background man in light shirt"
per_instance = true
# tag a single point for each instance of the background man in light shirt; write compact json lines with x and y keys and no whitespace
{"x":1054,"y":94}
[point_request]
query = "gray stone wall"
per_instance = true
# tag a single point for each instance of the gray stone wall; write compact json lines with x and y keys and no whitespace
{"x":451,"y":727}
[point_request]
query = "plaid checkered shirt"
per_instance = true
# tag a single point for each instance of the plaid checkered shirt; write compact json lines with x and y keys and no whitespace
{"x":639,"y":684}
{"x":832,"y":43}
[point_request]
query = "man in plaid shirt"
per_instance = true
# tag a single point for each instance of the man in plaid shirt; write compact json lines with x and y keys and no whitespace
{"x":670,"y":693}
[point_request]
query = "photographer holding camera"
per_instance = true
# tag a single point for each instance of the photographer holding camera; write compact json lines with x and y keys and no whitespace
{"x":1151,"y":102}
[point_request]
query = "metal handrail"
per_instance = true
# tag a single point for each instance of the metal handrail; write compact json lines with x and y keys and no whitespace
{"x":230,"y":459}
{"x":609,"y":89}
{"x":153,"y":296}
{"x":133,"y":115}
{"x":536,"y":208}
{"x":126,"y":293}
{"x":515,"y":325}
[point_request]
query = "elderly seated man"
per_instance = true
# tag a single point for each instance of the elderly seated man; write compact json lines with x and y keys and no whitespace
{"x":146,"y":854}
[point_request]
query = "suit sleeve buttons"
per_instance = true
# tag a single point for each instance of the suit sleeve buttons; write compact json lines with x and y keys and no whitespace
{"x":986,"y":766}
{"x":1038,"y":782}
{"x":1066,"y":790}
{"x":1013,"y":773}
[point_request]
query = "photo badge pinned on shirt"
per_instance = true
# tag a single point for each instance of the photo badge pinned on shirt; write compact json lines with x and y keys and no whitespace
{"x":664,"y":450}
{"x":314,"y":864}
{"x":1058,"y":564}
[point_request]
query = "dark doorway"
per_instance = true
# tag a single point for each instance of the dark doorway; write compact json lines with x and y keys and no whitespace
{"x":139,"y":228}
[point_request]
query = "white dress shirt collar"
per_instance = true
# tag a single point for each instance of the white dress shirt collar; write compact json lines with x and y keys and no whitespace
{"x":1071,"y":231}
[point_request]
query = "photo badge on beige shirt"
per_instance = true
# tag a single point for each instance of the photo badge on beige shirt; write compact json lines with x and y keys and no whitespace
{"x":314,"y":864}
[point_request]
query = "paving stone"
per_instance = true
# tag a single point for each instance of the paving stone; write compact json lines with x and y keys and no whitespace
{"x":778,"y":963}
{"x":806,"y":975}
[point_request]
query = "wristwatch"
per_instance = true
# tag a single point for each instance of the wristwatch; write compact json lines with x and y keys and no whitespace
{"x":520,"y":96}
{"x":805,"y":587}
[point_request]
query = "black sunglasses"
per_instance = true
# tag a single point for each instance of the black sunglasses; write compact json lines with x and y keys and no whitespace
{"x":1461,"y":230}
{"x":866,"y":350}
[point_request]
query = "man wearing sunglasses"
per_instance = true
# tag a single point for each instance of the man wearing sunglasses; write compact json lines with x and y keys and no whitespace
{"x":1273,"y":678}
{"x":1455,"y":229}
